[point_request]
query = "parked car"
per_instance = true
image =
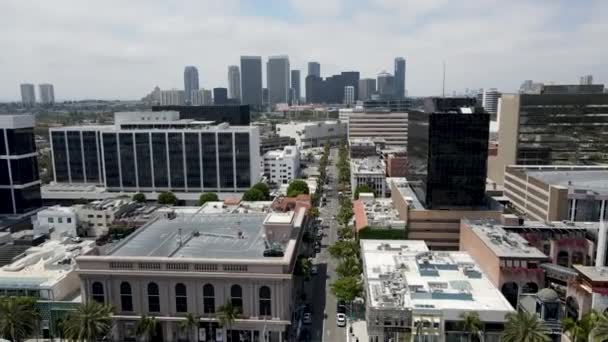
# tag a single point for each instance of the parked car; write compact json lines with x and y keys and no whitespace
{"x":317,"y":248}
{"x":307,"y":318}
{"x":341,"y":320}
{"x":314,"y":270}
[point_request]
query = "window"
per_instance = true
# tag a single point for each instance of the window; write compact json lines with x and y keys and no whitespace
{"x":126,"y":298}
{"x":153,"y":298}
{"x":60,"y":219}
{"x":181,"y":298}
{"x":99,"y":216}
{"x":97,"y":292}
{"x":51,"y":220}
{"x":208,"y":298}
{"x":236,"y":297}
{"x":265,"y":301}
{"x":69,"y":220}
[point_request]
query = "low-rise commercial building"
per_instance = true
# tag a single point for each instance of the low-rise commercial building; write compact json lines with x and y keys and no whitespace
{"x":370,"y":172}
{"x":411,"y":290}
{"x":362,"y":148}
{"x":556,"y":193}
{"x":376,"y":213}
{"x":390,"y":126}
{"x":274,"y":142}
{"x":314,"y":134}
{"x":282,"y":166}
{"x":57,"y":220}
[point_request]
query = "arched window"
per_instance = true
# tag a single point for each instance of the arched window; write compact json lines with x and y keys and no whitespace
{"x":236,"y":297}
{"x":208,"y":298}
{"x":265,"y":301}
{"x":153,"y":298}
{"x":126,"y":298}
{"x":181,"y":298}
{"x":97,"y":292}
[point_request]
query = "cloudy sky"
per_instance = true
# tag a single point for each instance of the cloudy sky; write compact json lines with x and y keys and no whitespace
{"x":121,"y":49}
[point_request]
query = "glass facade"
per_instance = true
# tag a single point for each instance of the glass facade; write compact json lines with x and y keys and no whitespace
{"x":2,"y":144}
{"x":6,"y":201}
{"x":110,"y":157}
{"x":209,"y":161}
{"x":75,"y":156}
{"x":176,"y":161}
{"x":224,"y":148}
{"x":565,"y":129}
{"x":4,"y":175}
{"x":242,"y":158}
{"x":144,"y":171}
{"x":21,"y":141}
{"x":24,"y":170}
{"x":60,"y":157}
{"x":91,"y":161}
{"x":27,"y":199}
{"x":193,"y":158}
{"x":127,"y":160}
{"x":159,"y":155}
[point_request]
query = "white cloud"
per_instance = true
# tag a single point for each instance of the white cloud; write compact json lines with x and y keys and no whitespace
{"x":122,"y":49}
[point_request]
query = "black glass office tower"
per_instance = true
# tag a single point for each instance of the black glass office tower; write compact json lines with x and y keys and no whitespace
{"x":233,"y":114}
{"x":220,"y":96}
{"x":251,"y":80}
{"x":447,"y":153}
{"x":19,"y":179}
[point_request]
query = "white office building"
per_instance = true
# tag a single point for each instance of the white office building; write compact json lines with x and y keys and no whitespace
{"x":282,"y":166}
{"x":369,"y":171}
{"x":411,"y":290}
{"x":28,"y":94}
{"x":234,"y":82}
{"x":349,"y":95}
{"x":57,"y":221}
{"x":390,"y":127}
{"x":172,"y":97}
{"x":313,"y":134}
{"x":490,"y":100}
{"x":47,"y":93}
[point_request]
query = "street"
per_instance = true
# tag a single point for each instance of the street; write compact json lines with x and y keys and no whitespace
{"x":318,"y":289}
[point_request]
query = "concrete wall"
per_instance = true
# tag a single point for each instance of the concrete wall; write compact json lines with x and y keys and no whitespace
{"x":508,"y":122}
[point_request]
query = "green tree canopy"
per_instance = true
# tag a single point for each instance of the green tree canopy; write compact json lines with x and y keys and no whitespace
{"x":579,"y":330}
{"x":89,"y":322}
{"x":167,"y":198}
{"x":524,"y":327}
{"x":253,"y":195}
{"x":303,"y":266}
{"x":362,"y":188}
{"x":347,"y":288}
{"x":297,"y":187}
{"x":207,"y":197}
{"x":349,"y":267}
{"x":263,"y":187}
{"x":471,"y":323}
{"x":18,"y":317}
{"x":139,"y":197}
{"x":344,"y":249}
{"x":600,"y":331}
{"x":227,"y":313}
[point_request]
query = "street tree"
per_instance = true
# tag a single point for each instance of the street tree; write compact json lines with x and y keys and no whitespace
{"x":297,"y":187}
{"x":89,"y":322}
{"x":349,"y":267}
{"x":347,"y":288}
{"x":207,"y":197}
{"x":253,"y":195}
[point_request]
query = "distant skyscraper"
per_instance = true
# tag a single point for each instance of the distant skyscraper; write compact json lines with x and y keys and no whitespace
{"x":28,"y":94}
{"x":277,"y":79}
{"x":386,"y":85}
{"x":234,"y":82}
{"x":349,"y":95}
{"x":295,"y":85}
{"x":490,"y":101}
{"x":47,"y":93}
{"x":531,"y":87}
{"x":586,"y":79}
{"x":314,"y":69}
{"x":172,"y":97}
{"x":399,"y":77}
{"x":202,"y":97}
{"x":190,"y":82}
{"x":207,"y":97}
{"x":220,"y":96}
{"x":367,"y":87}
{"x":251,"y":80}
{"x":265,"y":96}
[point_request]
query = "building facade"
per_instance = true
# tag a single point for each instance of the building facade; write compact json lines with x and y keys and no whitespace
{"x":314,"y":134}
{"x":295,"y":85}
{"x":393,"y":105}
{"x":367,"y":87}
{"x":138,"y":154}
{"x":234,"y":82}
{"x":19,"y":179}
{"x":386,"y":85}
{"x":28,"y":94}
{"x":282,"y":166}
{"x":490,"y":101}
{"x":277,"y":79}
{"x":47,"y":94}
{"x":173,"y":97}
{"x":349,"y":95}
{"x":251,"y":80}
{"x":236,"y":115}
{"x":314,"y":69}
{"x":220,"y":96}
{"x":399,"y":77}
{"x":390,"y":127}
{"x":190,"y":83}
{"x":370,"y":172}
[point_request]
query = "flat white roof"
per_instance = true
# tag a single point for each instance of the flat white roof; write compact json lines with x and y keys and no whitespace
{"x":279,"y":218}
{"x":503,"y":243}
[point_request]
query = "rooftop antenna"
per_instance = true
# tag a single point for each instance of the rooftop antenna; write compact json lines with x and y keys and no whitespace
{"x":443,"y":86}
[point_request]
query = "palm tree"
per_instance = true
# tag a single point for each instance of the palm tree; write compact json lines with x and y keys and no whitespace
{"x":18,"y":317}
{"x":89,"y":322}
{"x":471,"y":323}
{"x":524,"y":327}
{"x":600,"y":331}
{"x":189,"y":324}
{"x":227,"y":313}
{"x":146,"y":327}
{"x":580,"y":330}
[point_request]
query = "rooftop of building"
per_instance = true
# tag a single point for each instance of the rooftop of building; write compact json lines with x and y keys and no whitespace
{"x":594,"y":274}
{"x":404,"y":274}
{"x":369,"y":165}
{"x":376,"y":212}
{"x":503,"y":243}
{"x":286,"y":152}
{"x":593,"y":179}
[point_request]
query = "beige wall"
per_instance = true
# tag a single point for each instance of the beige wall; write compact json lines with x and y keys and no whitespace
{"x":483,"y":256}
{"x":508,"y":123}
{"x":558,"y":203}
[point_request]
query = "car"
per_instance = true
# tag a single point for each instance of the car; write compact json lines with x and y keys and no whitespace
{"x":317,"y":248}
{"x":314,"y":270}
{"x":307,"y":308}
{"x":341,"y":320}
{"x":307,"y":318}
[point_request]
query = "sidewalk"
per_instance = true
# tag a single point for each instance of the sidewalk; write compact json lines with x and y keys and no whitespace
{"x":359,"y":331}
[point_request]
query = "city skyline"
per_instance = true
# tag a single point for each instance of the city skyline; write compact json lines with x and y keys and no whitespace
{"x":126,"y":61}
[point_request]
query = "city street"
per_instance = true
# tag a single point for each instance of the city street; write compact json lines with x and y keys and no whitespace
{"x":318,"y":290}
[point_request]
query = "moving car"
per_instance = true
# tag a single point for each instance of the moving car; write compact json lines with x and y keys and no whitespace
{"x":307,"y":318}
{"x":341,"y":320}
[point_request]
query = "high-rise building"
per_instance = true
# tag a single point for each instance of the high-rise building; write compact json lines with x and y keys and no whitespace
{"x":349,"y":78}
{"x":277,"y":79}
{"x":586,"y":80}
{"x":265,"y":96}
{"x":315,"y":92}
{"x":448,"y":152}
{"x":28,"y":94}
{"x":490,"y":101}
{"x":207,"y":97}
{"x":367,"y":87}
{"x":234,"y":82}
{"x":530,"y":87}
{"x":314,"y":69}
{"x":220,"y":96}
{"x":399,"y":77}
{"x":390,"y":127}
{"x":251,"y":80}
{"x":563,"y":125}
{"x":331,"y":90}
{"x":174,"y":155}
{"x":47,"y":94}
{"x":19,"y":180}
{"x":190,"y":82}
{"x":386,"y":85}
{"x":173,"y":97}
{"x":349,"y":95}
{"x":295,"y":85}
{"x":233,"y":114}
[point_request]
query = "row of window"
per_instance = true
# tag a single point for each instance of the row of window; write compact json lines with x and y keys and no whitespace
{"x":181,"y":297}
{"x":60,"y":220}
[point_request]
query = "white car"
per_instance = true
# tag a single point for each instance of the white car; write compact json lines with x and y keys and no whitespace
{"x":341,"y":320}
{"x":307,"y":318}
